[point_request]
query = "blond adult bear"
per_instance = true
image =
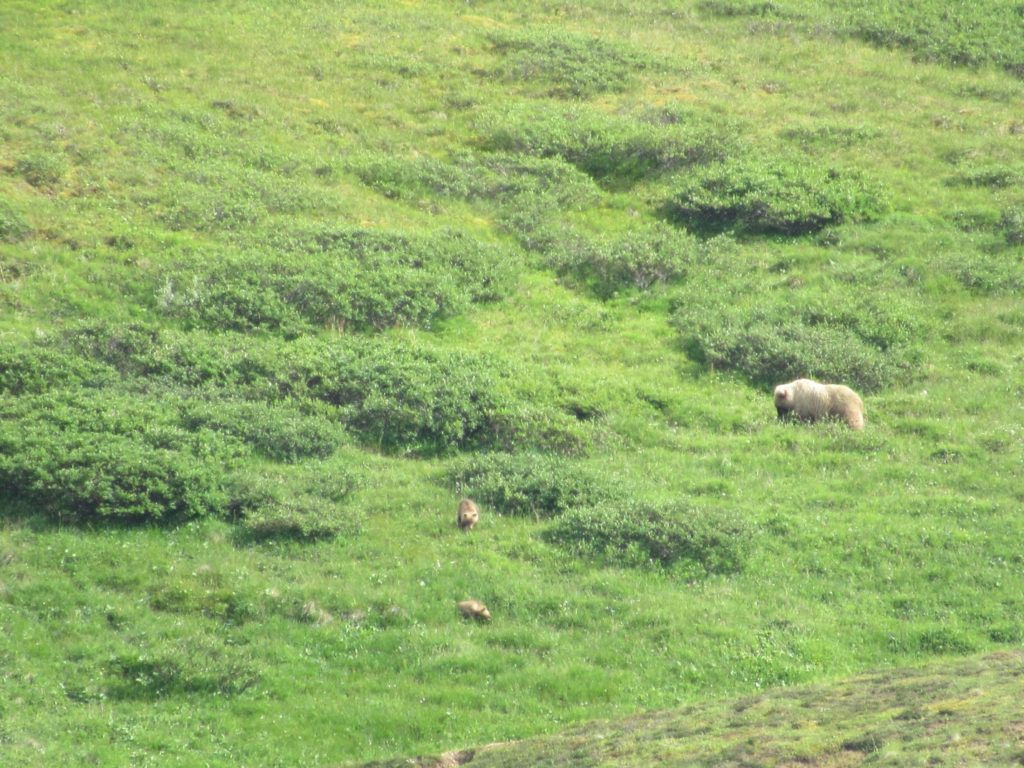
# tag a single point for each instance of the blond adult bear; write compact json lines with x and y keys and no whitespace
{"x":808,"y":400}
{"x":468,"y":514}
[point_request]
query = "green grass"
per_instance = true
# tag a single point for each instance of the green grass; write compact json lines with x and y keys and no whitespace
{"x":951,"y":713}
{"x":279,"y":282}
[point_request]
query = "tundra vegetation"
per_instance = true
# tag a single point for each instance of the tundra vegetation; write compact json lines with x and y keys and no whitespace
{"x":281,"y":282}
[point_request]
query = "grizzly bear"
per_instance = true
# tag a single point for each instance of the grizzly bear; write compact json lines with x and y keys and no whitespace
{"x":474,"y":609}
{"x":808,"y":400}
{"x":468,"y":515}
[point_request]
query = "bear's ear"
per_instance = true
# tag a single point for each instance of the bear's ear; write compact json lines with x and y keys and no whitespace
{"x":781,"y":394}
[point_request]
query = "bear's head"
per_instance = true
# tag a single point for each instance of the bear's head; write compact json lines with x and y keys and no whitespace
{"x":783,"y":400}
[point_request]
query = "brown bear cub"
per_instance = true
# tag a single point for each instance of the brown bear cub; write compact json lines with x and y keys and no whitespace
{"x":474,"y":609}
{"x":468,"y":515}
{"x":809,"y":401}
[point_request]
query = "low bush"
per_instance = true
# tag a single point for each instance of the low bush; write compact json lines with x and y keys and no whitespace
{"x":33,"y":369}
{"x":567,"y":65}
{"x":788,"y":197}
{"x":356,"y":279}
{"x":305,"y":507}
{"x":395,"y":395}
{"x":82,"y":456}
{"x":13,"y":226}
{"x":732,"y":8}
{"x":530,"y":484}
{"x":44,"y":171}
{"x":641,"y":258}
{"x":1011,"y":223}
{"x":986,"y":273}
{"x":993,"y":176}
{"x":220,"y":672}
{"x":693,"y":542}
{"x":867,"y":343}
{"x":614,"y":149}
{"x":962,"y":34}
{"x":281,"y":432}
{"x":489,"y":176}
{"x":403,"y":398}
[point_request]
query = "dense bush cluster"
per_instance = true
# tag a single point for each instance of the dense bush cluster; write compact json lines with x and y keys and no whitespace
{"x":614,"y":149}
{"x":773,"y":195}
{"x":396,"y":396}
{"x":963,"y":34}
{"x":97,"y":454}
{"x":694,"y":542}
{"x":346,"y":278}
{"x":87,"y":455}
{"x":400,"y":397}
{"x":32,"y":370}
{"x":281,"y":432}
{"x":495,"y":177}
{"x":530,"y":484}
{"x":868,"y":343}
{"x":640,"y":258}
{"x":131,"y":422}
{"x":136,"y":677}
{"x":567,"y":65}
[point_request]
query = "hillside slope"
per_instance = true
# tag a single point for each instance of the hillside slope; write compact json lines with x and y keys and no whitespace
{"x":280,"y":282}
{"x":963,"y":712}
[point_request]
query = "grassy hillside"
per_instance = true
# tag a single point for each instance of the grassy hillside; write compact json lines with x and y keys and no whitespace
{"x":961,"y":713}
{"x":280,"y":282}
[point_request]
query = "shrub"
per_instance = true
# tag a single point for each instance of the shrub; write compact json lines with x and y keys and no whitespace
{"x":1012,"y":225}
{"x":209,"y":208}
{"x":997,"y":176}
{"x":82,"y":456}
{"x":193,"y":359}
{"x":13,"y":227}
{"x":640,"y":258}
{"x":282,"y":432}
{"x":566,"y":64}
{"x":775,"y":196}
{"x":36,"y":369}
{"x":867,"y":343}
{"x":403,"y":398}
{"x":183,"y":672}
{"x":986,"y":273}
{"x":86,"y":455}
{"x":613,"y":149}
{"x":962,"y":34}
{"x":395,"y":395}
{"x":307,"y":507}
{"x":350,"y":278}
{"x":491,"y":177}
{"x":43,"y":171}
{"x":730,"y":8}
{"x":529,"y":484}
{"x":697,"y":542}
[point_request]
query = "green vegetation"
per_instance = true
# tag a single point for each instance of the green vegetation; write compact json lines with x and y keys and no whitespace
{"x":784,"y":197}
{"x":941,"y":715}
{"x":280,"y":283}
{"x":701,"y":541}
{"x":570,"y":65}
{"x":614,"y":149}
{"x":531,"y":484}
